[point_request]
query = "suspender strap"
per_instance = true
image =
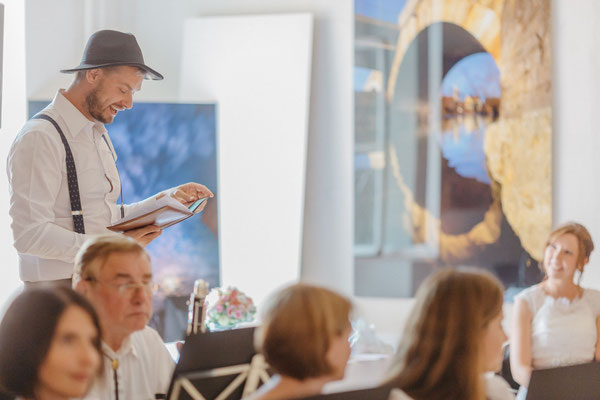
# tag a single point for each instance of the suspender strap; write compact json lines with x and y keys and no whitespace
{"x":76,"y":211}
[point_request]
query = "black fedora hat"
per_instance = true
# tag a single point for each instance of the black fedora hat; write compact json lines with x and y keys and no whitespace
{"x":111,"y":48}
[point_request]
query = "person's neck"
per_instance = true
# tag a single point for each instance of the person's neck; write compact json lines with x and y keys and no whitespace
{"x":561,"y":288}
{"x":114,"y":340}
{"x":288,"y":387}
{"x":76,"y":96}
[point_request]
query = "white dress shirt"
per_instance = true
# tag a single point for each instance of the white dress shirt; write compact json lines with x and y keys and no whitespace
{"x":145,"y":368}
{"x":40,"y":207}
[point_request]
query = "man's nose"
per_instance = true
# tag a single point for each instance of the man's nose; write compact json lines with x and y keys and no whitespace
{"x":127,"y":101}
{"x":140,"y":295}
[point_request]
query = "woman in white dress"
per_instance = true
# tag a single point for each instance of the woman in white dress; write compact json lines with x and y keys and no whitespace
{"x":556,"y":322}
{"x":453,"y":337}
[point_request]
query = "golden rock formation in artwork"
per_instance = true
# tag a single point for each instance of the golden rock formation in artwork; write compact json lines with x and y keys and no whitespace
{"x":518,"y":146}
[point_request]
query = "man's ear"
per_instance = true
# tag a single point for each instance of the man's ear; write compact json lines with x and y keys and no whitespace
{"x":93,"y":75}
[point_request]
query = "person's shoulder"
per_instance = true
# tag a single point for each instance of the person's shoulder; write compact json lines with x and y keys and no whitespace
{"x":149,"y":343}
{"x":148,"y":334}
{"x":147,"y":338}
{"x":531,"y":298}
{"x":530,"y":293}
{"x":591,"y":295}
{"x":397,"y":394}
{"x":591,"y":292}
{"x":36,"y":129}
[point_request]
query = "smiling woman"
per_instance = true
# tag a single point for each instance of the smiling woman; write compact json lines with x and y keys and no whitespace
{"x":556,"y":322}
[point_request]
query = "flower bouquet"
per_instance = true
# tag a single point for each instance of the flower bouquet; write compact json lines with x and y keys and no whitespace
{"x":228,"y":307}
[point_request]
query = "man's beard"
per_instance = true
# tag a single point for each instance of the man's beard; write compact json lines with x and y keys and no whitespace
{"x":94,"y":107}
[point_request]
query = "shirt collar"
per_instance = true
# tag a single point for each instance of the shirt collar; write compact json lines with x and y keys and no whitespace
{"x":125,"y":349}
{"x":76,"y":122}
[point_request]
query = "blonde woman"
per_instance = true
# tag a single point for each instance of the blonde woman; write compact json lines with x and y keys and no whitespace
{"x":304,"y":338}
{"x":452,"y":338}
{"x":556,"y":322}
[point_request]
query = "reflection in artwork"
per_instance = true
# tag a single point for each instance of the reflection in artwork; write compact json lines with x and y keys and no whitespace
{"x":161,"y":145}
{"x":452,"y":140}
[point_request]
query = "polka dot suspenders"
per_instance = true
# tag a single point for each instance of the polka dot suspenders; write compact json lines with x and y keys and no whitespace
{"x":76,"y":210}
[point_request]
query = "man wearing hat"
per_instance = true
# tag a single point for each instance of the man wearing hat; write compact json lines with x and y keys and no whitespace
{"x":62,"y":172}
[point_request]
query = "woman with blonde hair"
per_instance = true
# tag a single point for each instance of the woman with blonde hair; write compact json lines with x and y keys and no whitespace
{"x":304,"y":338}
{"x":453,"y":337}
{"x":556,"y":322}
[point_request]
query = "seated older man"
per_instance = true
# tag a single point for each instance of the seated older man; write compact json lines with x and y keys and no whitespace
{"x":114,"y":273}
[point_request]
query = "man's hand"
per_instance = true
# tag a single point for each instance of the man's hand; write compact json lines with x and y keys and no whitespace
{"x":145,"y":234}
{"x":188,"y":193}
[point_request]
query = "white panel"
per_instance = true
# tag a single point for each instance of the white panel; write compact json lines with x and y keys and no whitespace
{"x":576,"y":62}
{"x":257,"y":69}
{"x":49,"y":23}
{"x":13,"y":118}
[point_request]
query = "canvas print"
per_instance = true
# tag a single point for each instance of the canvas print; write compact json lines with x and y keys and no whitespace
{"x":162,"y":145}
{"x":452,"y":140}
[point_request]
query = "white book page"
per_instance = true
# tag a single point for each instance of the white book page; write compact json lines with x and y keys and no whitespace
{"x":149,"y":206}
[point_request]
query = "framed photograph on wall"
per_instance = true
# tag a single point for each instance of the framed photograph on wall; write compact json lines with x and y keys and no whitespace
{"x":452,"y":153}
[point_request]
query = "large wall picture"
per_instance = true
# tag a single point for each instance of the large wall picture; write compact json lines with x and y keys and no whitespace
{"x":161,"y":145}
{"x":452,"y":140}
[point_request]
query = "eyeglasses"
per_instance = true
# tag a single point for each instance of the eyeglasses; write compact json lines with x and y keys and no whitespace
{"x":127,"y":289}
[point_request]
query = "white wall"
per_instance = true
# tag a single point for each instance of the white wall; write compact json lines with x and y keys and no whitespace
{"x":13,"y":117}
{"x":576,"y":105}
{"x":52,"y":43}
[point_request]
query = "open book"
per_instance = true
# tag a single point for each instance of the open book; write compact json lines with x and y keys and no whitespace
{"x":163,"y":213}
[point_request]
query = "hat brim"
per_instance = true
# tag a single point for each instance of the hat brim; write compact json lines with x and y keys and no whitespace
{"x":150,"y":73}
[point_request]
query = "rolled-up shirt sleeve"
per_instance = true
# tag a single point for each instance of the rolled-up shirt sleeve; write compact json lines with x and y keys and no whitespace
{"x":134,"y":208}
{"x":34,"y":167}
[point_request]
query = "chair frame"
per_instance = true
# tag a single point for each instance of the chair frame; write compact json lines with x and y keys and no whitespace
{"x":252,"y":374}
